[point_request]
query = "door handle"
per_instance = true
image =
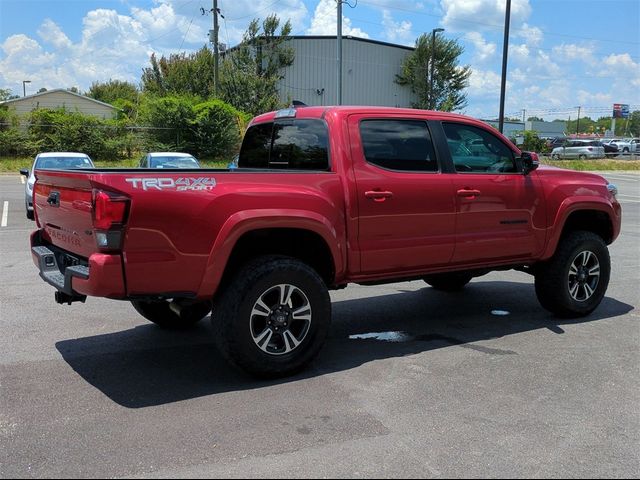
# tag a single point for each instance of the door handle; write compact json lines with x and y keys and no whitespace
{"x":378,"y":195}
{"x":468,"y":193}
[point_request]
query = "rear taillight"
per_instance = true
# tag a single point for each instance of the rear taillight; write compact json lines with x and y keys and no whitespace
{"x":110,"y":212}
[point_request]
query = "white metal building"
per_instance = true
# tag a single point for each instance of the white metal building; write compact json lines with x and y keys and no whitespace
{"x":369,"y":70}
{"x":61,"y":98}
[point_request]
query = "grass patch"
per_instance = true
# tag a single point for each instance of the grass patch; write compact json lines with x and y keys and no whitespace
{"x":594,"y":165}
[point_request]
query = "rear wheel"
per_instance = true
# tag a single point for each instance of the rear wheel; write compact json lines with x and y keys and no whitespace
{"x":448,"y":282}
{"x":273,"y":317}
{"x":555,"y":156}
{"x":171,"y":315}
{"x":573,"y":282}
{"x":30,"y":215}
{"x":582,"y":157}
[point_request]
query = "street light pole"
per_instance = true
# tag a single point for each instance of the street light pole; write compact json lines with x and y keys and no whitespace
{"x":578,"y":123}
{"x":505,"y":51}
{"x":24,"y":89}
{"x":433,"y":61}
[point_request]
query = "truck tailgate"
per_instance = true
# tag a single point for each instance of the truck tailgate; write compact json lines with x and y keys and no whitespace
{"x":63,"y":208}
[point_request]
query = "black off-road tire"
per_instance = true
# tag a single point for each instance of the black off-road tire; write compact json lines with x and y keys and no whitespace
{"x":160,"y":313}
{"x":552,"y":279}
{"x":449,"y":282}
{"x":232,"y":316}
{"x":30,"y":215}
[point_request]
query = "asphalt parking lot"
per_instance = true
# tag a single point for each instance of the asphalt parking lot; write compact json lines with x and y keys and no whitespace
{"x":412,"y":382}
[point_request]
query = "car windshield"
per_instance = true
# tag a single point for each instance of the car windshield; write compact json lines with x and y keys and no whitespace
{"x":63,"y":162}
{"x":174,"y":162}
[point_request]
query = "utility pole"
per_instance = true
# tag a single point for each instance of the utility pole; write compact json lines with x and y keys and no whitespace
{"x":432,"y":104}
{"x":213,"y":38}
{"x":578,"y":123}
{"x":523,"y":114}
{"x":339,"y":42}
{"x":505,"y":51}
{"x":216,"y":72}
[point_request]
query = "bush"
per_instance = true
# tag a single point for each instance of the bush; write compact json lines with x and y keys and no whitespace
{"x":216,"y":128}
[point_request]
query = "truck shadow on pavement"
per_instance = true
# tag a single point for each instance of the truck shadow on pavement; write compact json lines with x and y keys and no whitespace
{"x":147,"y":366}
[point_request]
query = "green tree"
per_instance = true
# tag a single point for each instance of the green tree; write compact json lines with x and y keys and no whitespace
{"x":5,"y":94}
{"x":180,"y":73}
{"x":42,"y":90}
{"x":450,"y":79}
{"x":112,"y":90}
{"x":170,"y":120}
{"x":535,"y":119}
{"x":216,"y":129}
{"x":251,"y":71}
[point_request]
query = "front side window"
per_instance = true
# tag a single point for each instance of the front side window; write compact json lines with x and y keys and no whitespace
{"x":475,"y":150}
{"x":402,"y":145}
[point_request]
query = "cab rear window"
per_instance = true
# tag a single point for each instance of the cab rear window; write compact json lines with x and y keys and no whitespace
{"x":291,"y":144}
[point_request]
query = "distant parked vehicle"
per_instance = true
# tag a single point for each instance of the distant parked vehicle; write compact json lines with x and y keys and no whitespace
{"x":635,"y":145}
{"x":168,"y":160}
{"x":610,"y":149}
{"x":581,"y":149}
{"x":556,"y":142}
{"x":624,"y":146}
{"x":51,"y":161}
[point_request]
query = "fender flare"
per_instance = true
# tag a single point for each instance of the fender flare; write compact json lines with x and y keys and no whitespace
{"x":246,"y":221}
{"x":572,"y":205}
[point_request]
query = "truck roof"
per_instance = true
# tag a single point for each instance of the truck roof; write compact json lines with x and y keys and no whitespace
{"x":345,"y":110}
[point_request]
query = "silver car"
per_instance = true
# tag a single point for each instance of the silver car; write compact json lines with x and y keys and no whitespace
{"x":168,"y":160}
{"x":580,"y":149}
{"x":51,"y":161}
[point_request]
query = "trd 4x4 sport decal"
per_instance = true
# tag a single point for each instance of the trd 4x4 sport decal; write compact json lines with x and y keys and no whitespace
{"x":181,"y":184}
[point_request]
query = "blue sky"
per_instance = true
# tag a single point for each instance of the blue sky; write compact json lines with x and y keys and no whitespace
{"x":563,"y":53}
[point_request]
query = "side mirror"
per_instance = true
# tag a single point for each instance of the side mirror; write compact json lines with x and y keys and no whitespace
{"x":25,"y":172}
{"x":529,"y":162}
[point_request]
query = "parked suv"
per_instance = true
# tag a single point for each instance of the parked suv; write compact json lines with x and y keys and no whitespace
{"x":581,"y":149}
{"x":51,"y":161}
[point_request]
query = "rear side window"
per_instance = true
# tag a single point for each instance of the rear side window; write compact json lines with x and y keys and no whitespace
{"x":403,"y":145}
{"x":256,"y":146}
{"x":300,"y":144}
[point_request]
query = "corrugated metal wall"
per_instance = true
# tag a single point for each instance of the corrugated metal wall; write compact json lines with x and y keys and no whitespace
{"x":369,"y":70}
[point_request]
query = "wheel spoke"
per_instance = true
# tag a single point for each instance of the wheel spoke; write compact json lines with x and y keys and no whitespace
{"x":290,"y":342}
{"x":573,"y":270}
{"x":573,"y":290}
{"x":260,"y":339}
{"x":285,"y":294}
{"x":586,"y":256}
{"x":260,"y":309}
{"x":588,"y":290}
{"x":303,"y":313}
{"x":595,"y":271}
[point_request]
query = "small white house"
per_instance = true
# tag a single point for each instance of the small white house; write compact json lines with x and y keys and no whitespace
{"x":58,"y":98}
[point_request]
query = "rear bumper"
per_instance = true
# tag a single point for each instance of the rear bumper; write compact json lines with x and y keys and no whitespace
{"x":101,"y":275}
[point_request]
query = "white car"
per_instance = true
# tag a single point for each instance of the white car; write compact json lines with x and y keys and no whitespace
{"x":168,"y":160}
{"x":624,"y":146}
{"x":580,"y":149}
{"x":51,"y":161}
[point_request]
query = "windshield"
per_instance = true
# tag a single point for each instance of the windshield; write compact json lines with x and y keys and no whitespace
{"x":63,"y":162}
{"x":174,"y":162}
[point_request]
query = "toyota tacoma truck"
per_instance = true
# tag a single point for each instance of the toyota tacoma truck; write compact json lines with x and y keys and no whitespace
{"x":323,"y":197}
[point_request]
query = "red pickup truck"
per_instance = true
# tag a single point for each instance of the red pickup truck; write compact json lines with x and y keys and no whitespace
{"x":323,"y":196}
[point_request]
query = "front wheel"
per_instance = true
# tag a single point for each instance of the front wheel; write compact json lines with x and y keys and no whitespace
{"x":172,"y":316}
{"x":273,"y":316}
{"x":582,"y":157}
{"x":555,"y":156}
{"x":573,"y":282}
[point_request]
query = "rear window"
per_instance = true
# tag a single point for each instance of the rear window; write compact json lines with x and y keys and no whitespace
{"x":174,"y":162}
{"x":63,"y":162}
{"x":299,"y":144}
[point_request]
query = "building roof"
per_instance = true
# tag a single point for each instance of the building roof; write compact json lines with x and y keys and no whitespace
{"x":57,"y":90}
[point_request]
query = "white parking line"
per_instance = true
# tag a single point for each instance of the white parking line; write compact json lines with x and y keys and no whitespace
{"x":22,"y":179}
{"x":5,"y":214}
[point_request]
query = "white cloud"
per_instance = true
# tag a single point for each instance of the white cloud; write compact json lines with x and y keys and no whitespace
{"x":399,"y":32}
{"x":484,"y":83}
{"x":324,"y":21}
{"x":483,"y":50}
{"x":53,"y":34}
{"x":572,"y":52}
{"x":462,"y":15}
